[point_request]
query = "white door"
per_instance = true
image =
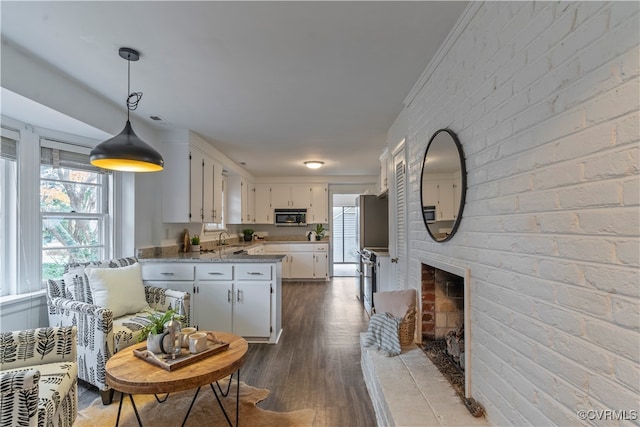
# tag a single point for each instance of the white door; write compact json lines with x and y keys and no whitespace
{"x":398,"y":246}
{"x":252,"y":309}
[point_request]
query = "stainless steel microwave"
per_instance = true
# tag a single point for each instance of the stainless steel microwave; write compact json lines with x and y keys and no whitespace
{"x":290,"y":217}
{"x":429,"y":213}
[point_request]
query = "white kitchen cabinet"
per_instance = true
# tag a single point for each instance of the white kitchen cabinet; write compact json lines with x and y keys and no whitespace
{"x":240,"y":200}
{"x":429,"y":194}
{"x":192,"y":184}
{"x":442,"y":194}
{"x":256,"y":250}
{"x":291,"y":196}
{"x":280,"y":249}
{"x":318,"y":212}
{"x":383,"y":276}
{"x":301,"y":261}
{"x":241,"y":298}
{"x":384,"y":171}
{"x":263,"y":207}
{"x":196,"y":185}
{"x":321,"y":261}
{"x":176,"y":276}
{"x":445,"y":208}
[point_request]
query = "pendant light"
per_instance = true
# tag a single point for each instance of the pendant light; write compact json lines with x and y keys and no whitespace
{"x":126,"y":151}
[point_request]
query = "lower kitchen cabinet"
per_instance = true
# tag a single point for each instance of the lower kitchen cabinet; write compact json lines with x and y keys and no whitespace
{"x":302,"y":260}
{"x":240,"y":298}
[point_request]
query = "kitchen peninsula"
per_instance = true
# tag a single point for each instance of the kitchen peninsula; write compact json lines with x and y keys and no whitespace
{"x":235,"y":293}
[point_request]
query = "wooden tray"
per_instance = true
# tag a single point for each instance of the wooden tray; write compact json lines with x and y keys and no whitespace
{"x":184,"y":359}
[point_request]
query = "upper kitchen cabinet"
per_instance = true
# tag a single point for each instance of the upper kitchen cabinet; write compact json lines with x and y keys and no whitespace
{"x":264,"y":208}
{"x":290,"y":196}
{"x":318,"y":212}
{"x":241,"y":200}
{"x":384,"y":172}
{"x":193,"y":186}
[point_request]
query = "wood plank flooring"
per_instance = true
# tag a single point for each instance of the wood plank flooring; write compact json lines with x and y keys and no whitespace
{"x":316,"y":364}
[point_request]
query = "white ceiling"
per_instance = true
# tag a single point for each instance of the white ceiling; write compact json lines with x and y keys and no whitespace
{"x":270,"y":84}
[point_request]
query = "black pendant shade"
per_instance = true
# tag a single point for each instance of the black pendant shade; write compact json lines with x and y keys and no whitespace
{"x":126,"y":151}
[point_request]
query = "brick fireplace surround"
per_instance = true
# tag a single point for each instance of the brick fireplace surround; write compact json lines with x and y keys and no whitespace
{"x":408,"y":389}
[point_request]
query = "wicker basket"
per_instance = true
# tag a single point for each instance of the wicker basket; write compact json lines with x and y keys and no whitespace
{"x":407,"y":327}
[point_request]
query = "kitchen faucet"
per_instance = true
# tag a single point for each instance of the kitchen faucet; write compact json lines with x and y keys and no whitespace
{"x":220,"y":241}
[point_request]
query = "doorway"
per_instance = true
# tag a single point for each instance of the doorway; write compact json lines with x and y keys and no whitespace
{"x":343,"y":234}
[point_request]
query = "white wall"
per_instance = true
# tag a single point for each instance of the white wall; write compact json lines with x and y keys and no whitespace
{"x":38,"y":81}
{"x":544,"y":99}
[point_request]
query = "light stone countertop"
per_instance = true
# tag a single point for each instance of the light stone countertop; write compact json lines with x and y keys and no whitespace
{"x":214,"y":257}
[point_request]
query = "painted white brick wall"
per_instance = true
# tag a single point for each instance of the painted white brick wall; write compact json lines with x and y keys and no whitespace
{"x":544,"y":98}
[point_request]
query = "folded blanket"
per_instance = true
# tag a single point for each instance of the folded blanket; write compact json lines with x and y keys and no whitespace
{"x":383,"y":334}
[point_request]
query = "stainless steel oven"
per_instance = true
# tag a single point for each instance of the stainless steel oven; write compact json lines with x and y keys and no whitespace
{"x":368,"y":277}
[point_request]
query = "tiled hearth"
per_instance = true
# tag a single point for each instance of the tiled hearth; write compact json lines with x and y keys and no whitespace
{"x":408,"y":390}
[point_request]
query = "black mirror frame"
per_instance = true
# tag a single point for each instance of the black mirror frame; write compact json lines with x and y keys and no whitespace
{"x":463,"y":190}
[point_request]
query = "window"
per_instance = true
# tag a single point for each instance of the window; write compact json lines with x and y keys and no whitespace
{"x":74,"y":208}
{"x":8,"y":214}
{"x":344,"y":235}
{"x":211,"y":227}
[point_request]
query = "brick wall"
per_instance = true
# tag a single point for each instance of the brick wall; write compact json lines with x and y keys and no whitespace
{"x":544,"y":98}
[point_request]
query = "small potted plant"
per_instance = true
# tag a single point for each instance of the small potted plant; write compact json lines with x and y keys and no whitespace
{"x":248,"y":234}
{"x":154,"y":330}
{"x":319,"y":231}
{"x":195,"y":243}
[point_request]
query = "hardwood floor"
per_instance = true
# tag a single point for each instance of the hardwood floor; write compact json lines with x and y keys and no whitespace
{"x":316,"y":364}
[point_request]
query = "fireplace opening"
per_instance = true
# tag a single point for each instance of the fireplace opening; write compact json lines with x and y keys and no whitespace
{"x":443,"y":328}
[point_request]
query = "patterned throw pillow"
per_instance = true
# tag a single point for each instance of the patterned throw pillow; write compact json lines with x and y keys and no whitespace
{"x":119,"y":289}
{"x":77,"y":284}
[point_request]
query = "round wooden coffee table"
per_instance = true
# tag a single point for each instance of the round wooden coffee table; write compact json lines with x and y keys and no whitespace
{"x":131,"y":375}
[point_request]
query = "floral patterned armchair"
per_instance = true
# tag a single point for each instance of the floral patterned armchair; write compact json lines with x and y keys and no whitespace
{"x":39,"y":377}
{"x":100,"y":333}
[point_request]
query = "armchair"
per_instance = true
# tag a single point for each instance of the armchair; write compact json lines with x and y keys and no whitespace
{"x":70,"y":301}
{"x":38,"y":377}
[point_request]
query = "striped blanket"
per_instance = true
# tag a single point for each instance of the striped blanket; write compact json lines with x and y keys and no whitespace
{"x":383,"y":334}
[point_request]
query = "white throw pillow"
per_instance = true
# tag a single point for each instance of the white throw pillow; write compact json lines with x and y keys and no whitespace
{"x":119,"y":289}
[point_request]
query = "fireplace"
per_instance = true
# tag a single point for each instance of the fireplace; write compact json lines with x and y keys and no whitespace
{"x":445,"y":323}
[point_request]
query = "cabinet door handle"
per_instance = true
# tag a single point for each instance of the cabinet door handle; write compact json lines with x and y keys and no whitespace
{"x":215,"y":273}
{"x":229,"y":295}
{"x":240,"y":292}
{"x":254,"y":273}
{"x":167,"y":274}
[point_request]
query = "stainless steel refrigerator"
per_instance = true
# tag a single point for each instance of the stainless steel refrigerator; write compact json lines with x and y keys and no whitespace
{"x":373,"y":222}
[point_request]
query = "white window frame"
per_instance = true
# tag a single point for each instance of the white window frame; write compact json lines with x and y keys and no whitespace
{"x":8,"y":222}
{"x":29,"y":228}
{"x":103,"y":216}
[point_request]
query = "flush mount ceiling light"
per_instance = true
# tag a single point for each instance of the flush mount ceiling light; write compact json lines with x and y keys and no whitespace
{"x":313,"y":164}
{"x":126,"y":151}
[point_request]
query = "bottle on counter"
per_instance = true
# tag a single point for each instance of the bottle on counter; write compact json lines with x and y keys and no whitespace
{"x":186,"y":241}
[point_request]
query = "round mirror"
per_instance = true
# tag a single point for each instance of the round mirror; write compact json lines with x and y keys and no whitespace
{"x":443,"y":185}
